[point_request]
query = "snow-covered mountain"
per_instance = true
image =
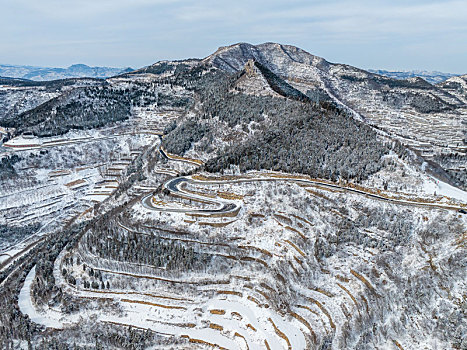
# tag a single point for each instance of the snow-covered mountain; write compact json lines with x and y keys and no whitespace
{"x":47,"y":73}
{"x":402,"y":108}
{"x":259,"y":198}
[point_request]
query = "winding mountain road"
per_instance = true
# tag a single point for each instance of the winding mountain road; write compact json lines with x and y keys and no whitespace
{"x":225,"y":207}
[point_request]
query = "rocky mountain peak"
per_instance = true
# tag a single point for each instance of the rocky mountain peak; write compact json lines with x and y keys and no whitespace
{"x":273,"y":55}
{"x":250,"y":68}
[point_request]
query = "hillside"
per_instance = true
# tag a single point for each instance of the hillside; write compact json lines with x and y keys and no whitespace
{"x":427,"y":118}
{"x":259,"y":198}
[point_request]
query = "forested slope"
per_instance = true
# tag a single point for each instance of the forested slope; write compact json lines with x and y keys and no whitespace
{"x":80,"y":109}
{"x":90,"y":107}
{"x":299,"y":136}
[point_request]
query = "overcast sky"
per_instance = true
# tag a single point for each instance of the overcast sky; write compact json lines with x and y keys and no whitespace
{"x":395,"y":34}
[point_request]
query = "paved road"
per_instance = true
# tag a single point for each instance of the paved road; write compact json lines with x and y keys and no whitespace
{"x":227,"y":207}
{"x":172,"y":185}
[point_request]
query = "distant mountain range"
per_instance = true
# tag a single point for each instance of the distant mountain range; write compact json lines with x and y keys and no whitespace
{"x":48,"y":73}
{"x":81,"y":70}
{"x":431,"y":77}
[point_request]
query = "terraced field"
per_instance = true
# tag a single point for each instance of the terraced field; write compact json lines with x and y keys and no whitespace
{"x":262,"y":260}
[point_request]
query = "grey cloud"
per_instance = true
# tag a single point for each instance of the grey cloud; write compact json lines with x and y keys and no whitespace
{"x":424,"y":34}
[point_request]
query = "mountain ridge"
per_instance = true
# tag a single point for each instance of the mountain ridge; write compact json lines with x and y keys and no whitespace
{"x":433,"y":77}
{"x":37,"y":73}
{"x":396,"y":108}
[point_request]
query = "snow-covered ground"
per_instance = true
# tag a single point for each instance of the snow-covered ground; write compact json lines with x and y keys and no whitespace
{"x":294,"y":263}
{"x":48,"y":318}
{"x":437,"y":187}
{"x":60,"y":177}
{"x":281,"y":226}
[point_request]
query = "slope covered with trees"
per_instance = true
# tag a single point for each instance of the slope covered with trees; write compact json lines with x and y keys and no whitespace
{"x":303,"y":137}
{"x":84,"y":108}
{"x":90,"y":107}
{"x":328,"y":146}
